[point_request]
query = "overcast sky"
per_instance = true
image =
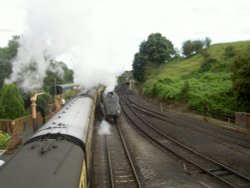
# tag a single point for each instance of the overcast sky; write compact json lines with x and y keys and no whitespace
{"x":110,"y":31}
{"x":123,"y":25}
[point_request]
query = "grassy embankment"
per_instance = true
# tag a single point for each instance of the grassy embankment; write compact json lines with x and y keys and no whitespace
{"x":182,"y":81}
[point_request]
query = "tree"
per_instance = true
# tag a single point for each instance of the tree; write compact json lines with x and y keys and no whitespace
{"x":157,"y":49}
{"x":241,"y":81}
{"x":197,"y":46}
{"x":13,"y":46}
{"x":207,"y":42}
{"x":68,"y":75}
{"x":139,"y":67}
{"x":6,"y":55}
{"x":187,"y":48}
{"x":57,"y":72}
{"x":43,"y":102}
{"x":193,"y":47}
{"x":11,"y":102}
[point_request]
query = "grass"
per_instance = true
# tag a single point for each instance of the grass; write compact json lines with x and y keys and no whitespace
{"x":182,"y":80}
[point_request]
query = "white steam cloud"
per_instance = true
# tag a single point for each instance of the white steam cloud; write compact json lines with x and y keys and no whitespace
{"x":61,"y":28}
{"x":104,"y":128}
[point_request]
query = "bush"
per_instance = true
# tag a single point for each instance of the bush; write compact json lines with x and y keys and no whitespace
{"x":207,"y":64}
{"x":206,"y":92}
{"x":229,"y":52}
{"x":4,"y":138}
{"x":12,"y":102}
{"x":184,"y":95}
{"x":209,"y":82}
{"x":241,"y":81}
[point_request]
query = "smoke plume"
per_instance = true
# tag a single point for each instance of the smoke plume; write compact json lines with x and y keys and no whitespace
{"x":61,"y":28}
{"x":104,"y":128}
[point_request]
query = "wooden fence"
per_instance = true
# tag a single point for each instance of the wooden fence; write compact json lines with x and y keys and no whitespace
{"x":16,"y":126}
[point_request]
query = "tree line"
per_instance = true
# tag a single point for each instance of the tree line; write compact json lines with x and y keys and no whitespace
{"x":15,"y":102}
{"x":158,"y":50}
{"x":191,"y":47}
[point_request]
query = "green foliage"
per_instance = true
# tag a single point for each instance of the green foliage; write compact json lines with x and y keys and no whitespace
{"x":184,"y":94}
{"x":156,"y":50}
{"x":229,"y":52}
{"x":43,"y":101}
{"x":204,"y":81}
{"x":187,"y":48}
{"x":57,"y":70}
{"x":4,"y":138}
{"x":197,"y":46}
{"x":211,"y":93}
{"x":68,"y":75}
{"x":125,"y":76}
{"x":11,"y":102}
{"x":70,"y":94}
{"x":207,"y":62}
{"x":138,"y":67}
{"x":6,"y":55}
{"x":192,"y":47}
{"x":208,"y":92}
{"x":57,"y":73}
{"x":207,"y":42}
{"x":13,"y":45}
{"x":205,"y":54}
{"x":241,"y":80}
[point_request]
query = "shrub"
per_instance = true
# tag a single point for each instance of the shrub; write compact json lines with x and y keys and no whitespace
{"x":4,"y":138}
{"x":184,"y":95}
{"x":12,"y":102}
{"x":229,"y":52}
{"x":207,"y":64}
{"x":241,"y":81}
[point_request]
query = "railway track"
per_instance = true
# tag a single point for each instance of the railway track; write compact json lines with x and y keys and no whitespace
{"x":243,"y":141}
{"x":99,"y":171}
{"x":219,"y":171}
{"x":117,"y":167}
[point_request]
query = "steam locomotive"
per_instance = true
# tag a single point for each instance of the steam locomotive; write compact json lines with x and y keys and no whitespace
{"x":57,"y":154}
{"x":111,"y":107}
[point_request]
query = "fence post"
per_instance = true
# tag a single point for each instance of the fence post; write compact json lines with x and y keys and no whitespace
{"x":161,"y":107}
{"x":12,"y":129}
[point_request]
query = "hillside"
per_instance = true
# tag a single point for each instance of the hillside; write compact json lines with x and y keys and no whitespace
{"x":204,"y":86}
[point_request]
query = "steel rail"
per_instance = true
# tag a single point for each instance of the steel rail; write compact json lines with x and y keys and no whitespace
{"x":193,"y":124}
{"x":189,"y":149}
{"x":129,"y":157}
{"x":110,"y":163}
